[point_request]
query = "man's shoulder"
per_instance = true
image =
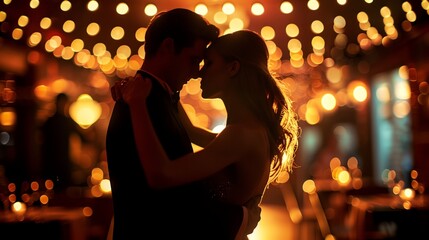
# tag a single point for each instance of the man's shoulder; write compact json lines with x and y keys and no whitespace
{"x":145,"y":75}
{"x":156,"y":81}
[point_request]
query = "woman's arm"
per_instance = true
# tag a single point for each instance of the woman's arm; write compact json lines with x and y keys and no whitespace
{"x":160,"y":171}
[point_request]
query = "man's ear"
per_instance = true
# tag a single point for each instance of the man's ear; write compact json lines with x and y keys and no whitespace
{"x":167,"y":46}
{"x":234,"y":68}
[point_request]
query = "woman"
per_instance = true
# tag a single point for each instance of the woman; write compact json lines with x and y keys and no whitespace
{"x":261,"y":133}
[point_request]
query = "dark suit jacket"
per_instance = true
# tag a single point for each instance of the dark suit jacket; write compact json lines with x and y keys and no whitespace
{"x":184,"y":212}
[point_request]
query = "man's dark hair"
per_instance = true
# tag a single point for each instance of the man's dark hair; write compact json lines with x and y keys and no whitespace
{"x":182,"y":25}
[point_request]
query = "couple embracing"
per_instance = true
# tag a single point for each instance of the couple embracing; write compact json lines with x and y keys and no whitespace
{"x":161,"y":189}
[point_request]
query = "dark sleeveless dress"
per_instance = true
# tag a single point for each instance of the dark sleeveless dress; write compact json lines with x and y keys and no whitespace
{"x":184,"y":212}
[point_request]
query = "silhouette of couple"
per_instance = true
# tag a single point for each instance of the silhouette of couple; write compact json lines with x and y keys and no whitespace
{"x":161,"y":189}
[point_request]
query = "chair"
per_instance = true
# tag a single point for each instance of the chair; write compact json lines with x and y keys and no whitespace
{"x":311,"y":218}
{"x":305,"y":218}
{"x":320,"y":215}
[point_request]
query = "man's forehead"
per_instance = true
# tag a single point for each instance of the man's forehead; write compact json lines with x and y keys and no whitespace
{"x":199,"y":47}
{"x":200,"y":43}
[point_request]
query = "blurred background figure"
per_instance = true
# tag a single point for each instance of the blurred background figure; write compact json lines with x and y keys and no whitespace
{"x":57,"y":133}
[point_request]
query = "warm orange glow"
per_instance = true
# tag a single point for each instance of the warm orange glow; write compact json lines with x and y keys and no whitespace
{"x":150,"y":9}
{"x":93,"y":29}
{"x":122,"y":8}
{"x":358,"y":91}
{"x":344,"y":178}
{"x":69,"y":26}
{"x":286,"y":7}
{"x":87,"y":211}
{"x":85,"y":111}
{"x":201,"y":9}
{"x":77,"y":45}
{"x":268,"y":33}
{"x":65,"y":6}
{"x":117,"y":33}
{"x":328,"y":101}
{"x":7,"y":117}
{"x":19,"y":208}
{"x":44,"y":199}
{"x":257,"y":9}
{"x":23,"y":21}
{"x":312,"y":116}
{"x":105,"y":186}
{"x":49,"y":184}
{"x":96,"y":175}
{"x":92,"y":5}
{"x":17,"y":33}
{"x":360,"y":94}
{"x":407,"y":194}
{"x":236,"y":24}
{"x":123,"y":52}
{"x":309,"y":186}
{"x":313,"y":5}
{"x":34,"y":186}
{"x":228,"y":8}
{"x":292,"y":30}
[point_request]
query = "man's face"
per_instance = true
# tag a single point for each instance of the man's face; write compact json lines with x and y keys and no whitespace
{"x":187,"y":62}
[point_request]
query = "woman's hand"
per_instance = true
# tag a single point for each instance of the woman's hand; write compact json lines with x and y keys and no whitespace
{"x":131,"y":89}
{"x":116,"y":89}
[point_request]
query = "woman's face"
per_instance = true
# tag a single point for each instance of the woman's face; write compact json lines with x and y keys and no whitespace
{"x":214,"y":75}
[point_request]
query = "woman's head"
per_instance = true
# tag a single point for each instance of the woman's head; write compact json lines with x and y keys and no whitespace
{"x":230,"y":57}
{"x":246,"y":46}
{"x":237,"y":70}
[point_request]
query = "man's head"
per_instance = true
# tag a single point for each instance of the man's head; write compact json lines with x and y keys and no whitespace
{"x":178,"y":38}
{"x":61,"y":102}
{"x":182,"y":25}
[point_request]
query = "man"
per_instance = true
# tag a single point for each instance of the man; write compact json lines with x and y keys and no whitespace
{"x":57,"y":132}
{"x":175,"y":44}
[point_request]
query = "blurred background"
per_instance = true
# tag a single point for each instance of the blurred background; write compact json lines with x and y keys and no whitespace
{"x":356,"y":70}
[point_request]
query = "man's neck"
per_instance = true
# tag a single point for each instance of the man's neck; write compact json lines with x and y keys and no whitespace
{"x":158,"y":78}
{"x":157,"y":69}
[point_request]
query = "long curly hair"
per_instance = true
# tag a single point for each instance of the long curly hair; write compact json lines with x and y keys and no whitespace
{"x":265,"y":95}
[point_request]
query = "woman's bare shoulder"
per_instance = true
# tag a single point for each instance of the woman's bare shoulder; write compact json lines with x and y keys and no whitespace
{"x":245,"y":134}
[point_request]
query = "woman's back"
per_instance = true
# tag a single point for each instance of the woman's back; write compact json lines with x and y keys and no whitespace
{"x":248,"y":176}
